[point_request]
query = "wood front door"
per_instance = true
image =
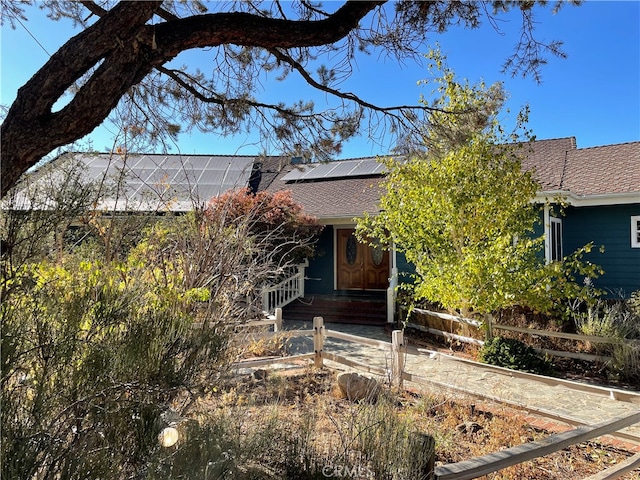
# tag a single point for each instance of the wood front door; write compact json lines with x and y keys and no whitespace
{"x":360,"y":266}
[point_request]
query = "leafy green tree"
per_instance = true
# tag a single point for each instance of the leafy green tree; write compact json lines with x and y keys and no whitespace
{"x":461,"y":210}
{"x":121,"y":58}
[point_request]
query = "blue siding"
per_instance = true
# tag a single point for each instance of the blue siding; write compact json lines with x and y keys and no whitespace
{"x":538,"y":231}
{"x":405,"y":269}
{"x":609,"y":226}
{"x":320,"y":269}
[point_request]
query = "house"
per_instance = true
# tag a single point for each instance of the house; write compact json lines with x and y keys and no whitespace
{"x":601,"y":186}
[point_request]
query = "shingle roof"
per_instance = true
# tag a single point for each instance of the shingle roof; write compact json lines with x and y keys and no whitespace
{"x":558,"y":165}
{"x":333,"y":197}
{"x":609,"y":169}
{"x":546,"y":158}
{"x":603,"y":170}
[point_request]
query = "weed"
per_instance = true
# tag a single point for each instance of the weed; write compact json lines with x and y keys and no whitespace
{"x":618,"y":321}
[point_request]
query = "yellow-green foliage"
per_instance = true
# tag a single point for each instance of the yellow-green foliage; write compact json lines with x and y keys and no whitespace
{"x":461,"y":210}
{"x":92,"y":353}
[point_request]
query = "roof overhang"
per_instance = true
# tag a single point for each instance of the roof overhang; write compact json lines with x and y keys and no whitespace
{"x":605,"y":199}
{"x":340,"y":220}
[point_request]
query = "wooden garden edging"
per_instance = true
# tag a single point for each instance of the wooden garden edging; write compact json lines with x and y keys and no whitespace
{"x":319,"y":333}
{"x":476,"y":467}
{"x":618,"y":469}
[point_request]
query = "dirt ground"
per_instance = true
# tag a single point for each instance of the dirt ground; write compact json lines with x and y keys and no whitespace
{"x":463,"y":428}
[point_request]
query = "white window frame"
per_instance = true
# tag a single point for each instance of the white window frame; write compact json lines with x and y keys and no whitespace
{"x":555,"y":239}
{"x":635,"y":231}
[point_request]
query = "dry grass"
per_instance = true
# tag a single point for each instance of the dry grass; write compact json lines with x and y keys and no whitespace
{"x":295,"y":425}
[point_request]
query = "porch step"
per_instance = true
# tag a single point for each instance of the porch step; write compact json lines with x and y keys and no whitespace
{"x":337,"y":310}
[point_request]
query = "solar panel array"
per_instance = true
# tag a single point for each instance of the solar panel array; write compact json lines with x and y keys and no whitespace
{"x":338,"y":169}
{"x":156,"y":182}
{"x":179,"y":180}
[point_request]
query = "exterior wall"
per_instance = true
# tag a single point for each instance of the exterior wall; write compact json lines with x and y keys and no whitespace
{"x":320,"y":269}
{"x":405,"y":269}
{"x":609,"y":226}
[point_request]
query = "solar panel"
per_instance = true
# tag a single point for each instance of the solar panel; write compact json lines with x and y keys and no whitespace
{"x":160,"y":181}
{"x":337,"y":169}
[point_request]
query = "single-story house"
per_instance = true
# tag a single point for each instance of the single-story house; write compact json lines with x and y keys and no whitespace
{"x":601,"y":186}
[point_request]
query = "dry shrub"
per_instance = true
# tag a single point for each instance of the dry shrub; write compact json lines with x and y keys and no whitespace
{"x":287,"y":425}
{"x":263,"y":344}
{"x":618,"y":321}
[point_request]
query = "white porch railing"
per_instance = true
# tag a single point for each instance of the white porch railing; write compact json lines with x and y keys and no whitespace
{"x":285,"y":292}
{"x":391,"y":295}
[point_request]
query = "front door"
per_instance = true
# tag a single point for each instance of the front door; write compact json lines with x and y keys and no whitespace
{"x":360,"y":266}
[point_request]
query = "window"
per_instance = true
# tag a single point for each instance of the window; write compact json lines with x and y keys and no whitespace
{"x":555,"y":239}
{"x":635,"y":231}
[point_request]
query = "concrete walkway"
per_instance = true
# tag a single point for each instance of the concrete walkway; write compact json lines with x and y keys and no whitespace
{"x":566,"y":402}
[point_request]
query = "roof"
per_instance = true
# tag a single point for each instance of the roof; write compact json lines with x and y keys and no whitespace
{"x":546,"y":158}
{"x":587,"y":174}
{"x":560,"y":165}
{"x":601,"y":175}
{"x":344,"y":189}
{"x":154,"y":182}
{"x":603,"y":170}
{"x":339,"y":189}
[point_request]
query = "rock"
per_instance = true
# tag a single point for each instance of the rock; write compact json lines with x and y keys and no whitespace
{"x":356,"y":387}
{"x":260,"y":374}
{"x":168,"y":437}
{"x":254,"y":471}
{"x":469,"y":427}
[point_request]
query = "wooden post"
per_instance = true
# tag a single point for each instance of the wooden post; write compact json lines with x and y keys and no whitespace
{"x":422,"y":456}
{"x":488,"y":324}
{"x":397,"y":356}
{"x":265,"y":301}
{"x":391,"y":294}
{"x":318,"y":340}
{"x":278,"y":325}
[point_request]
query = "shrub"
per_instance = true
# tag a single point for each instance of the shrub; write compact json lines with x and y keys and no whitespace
{"x":618,"y":321}
{"x":274,"y":218}
{"x":513,"y":354}
{"x":94,"y":351}
{"x":92,"y":354}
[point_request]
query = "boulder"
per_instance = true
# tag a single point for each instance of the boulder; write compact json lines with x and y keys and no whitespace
{"x":356,"y":387}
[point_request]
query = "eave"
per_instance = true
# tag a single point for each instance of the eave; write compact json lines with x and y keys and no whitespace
{"x":595,"y":200}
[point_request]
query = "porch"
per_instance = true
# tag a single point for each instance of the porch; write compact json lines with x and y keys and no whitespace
{"x":368,"y":308}
{"x":348,"y":306}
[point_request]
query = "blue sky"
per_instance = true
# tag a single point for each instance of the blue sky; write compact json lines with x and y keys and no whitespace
{"x":593,"y":95}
